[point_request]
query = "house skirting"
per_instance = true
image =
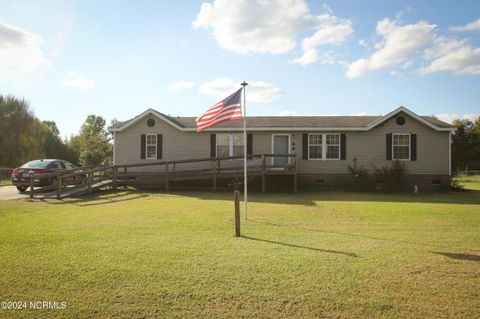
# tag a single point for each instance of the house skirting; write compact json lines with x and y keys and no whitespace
{"x":425,"y":182}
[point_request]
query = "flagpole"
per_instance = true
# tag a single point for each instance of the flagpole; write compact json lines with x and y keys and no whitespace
{"x":245,"y":188}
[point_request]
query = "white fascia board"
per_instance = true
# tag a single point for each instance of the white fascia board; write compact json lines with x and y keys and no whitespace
{"x":410,"y":113}
{"x":269,"y":129}
{"x":142,"y":115}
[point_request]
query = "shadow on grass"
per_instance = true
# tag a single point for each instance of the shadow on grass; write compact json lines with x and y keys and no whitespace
{"x":459,"y":256}
{"x":308,"y":198}
{"x":302,"y":247}
{"x":349,"y":234}
{"x":99,"y":198}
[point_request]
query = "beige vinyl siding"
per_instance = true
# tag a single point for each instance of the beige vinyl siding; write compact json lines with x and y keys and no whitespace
{"x":368,"y":147}
{"x":370,"y":150}
{"x":177,"y":145}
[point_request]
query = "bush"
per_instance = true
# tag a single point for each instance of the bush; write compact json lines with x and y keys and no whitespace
{"x":390,"y":178}
{"x":361,"y":180}
{"x":455,"y":185}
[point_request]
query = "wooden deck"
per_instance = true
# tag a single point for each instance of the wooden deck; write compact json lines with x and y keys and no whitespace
{"x":84,"y":180}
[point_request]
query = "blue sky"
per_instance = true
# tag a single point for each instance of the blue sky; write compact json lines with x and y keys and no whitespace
{"x":118,"y":58}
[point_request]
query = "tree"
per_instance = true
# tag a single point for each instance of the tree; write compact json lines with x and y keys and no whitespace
{"x":466,"y":145}
{"x":23,"y":137}
{"x":52,"y":126}
{"x":92,"y":144}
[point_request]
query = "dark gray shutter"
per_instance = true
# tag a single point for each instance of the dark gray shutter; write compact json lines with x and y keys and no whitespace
{"x":213,"y":145}
{"x":343,"y":147}
{"x":305,"y":146}
{"x":389,"y":146}
{"x":413,"y":147}
{"x":142,"y":146}
{"x":159,"y":146}
{"x":249,"y":144}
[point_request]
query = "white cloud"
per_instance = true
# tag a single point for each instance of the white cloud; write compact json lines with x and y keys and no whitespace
{"x":260,"y":92}
{"x":181,"y":85}
{"x":312,"y":55}
{"x":363,"y":43}
{"x":287,"y":113}
{"x":451,"y":117}
{"x":453,"y":55}
{"x":400,"y":43}
{"x":257,"y":26}
{"x":71,"y":79}
{"x":20,"y":52}
{"x":472,"y":26}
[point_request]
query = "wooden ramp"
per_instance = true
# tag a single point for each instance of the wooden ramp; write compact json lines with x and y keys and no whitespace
{"x":75,"y":190}
{"x":84,"y":180}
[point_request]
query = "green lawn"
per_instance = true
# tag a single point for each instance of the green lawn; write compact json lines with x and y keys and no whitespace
{"x":470,"y":182}
{"x":319,"y":254}
{"x":5,"y":181}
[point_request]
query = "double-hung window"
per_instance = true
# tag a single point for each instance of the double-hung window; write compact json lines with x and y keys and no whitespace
{"x":151,"y":146}
{"x":333,"y":146}
{"x":401,"y":146}
{"x":229,"y":145}
{"x":324,"y":146}
{"x":315,"y":146}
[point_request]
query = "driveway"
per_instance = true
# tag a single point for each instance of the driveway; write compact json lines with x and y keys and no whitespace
{"x":10,"y":193}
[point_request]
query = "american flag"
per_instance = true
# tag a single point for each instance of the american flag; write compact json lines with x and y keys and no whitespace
{"x":226,"y":110}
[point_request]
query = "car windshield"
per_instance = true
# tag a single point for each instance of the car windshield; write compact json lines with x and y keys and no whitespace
{"x":36,"y":164}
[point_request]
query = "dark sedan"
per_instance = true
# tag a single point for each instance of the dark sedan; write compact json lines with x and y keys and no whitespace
{"x":21,"y":175}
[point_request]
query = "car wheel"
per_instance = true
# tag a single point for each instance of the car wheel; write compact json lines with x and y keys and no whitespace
{"x":22,"y":189}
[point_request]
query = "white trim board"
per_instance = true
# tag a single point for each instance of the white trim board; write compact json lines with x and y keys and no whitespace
{"x":288,"y":129}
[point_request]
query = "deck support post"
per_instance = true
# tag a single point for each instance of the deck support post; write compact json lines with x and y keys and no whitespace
{"x":59,"y":187}
{"x":125,"y":178}
{"x":264,"y":182}
{"x":166,"y":176}
{"x":295,"y":182}
{"x":115,"y":179}
{"x":173,"y":176}
{"x":31,"y":185}
{"x":215,"y":163}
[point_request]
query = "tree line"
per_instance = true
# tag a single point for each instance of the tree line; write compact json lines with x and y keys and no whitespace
{"x":466,"y":145}
{"x":24,"y":137}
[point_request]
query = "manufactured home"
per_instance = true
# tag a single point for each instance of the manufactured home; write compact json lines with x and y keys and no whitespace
{"x":319,"y":148}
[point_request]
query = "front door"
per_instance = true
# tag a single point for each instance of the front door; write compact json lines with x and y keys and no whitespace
{"x":281,"y":145}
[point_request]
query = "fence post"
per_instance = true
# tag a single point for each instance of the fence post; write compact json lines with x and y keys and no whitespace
{"x":89,"y":182}
{"x":114,"y":178}
{"x":59,"y":187}
{"x":31,"y":184}
{"x":166,"y":176}
{"x":236,"y":195}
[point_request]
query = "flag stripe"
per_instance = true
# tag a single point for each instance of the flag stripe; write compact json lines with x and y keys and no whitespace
{"x":226,"y":110}
{"x":228,"y":117}
{"x":211,"y":118}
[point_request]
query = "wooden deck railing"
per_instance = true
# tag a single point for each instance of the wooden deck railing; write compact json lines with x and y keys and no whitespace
{"x":90,"y":176}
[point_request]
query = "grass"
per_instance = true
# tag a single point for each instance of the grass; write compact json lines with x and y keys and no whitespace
{"x":5,"y":182}
{"x":322,"y":254}
{"x":469,"y":182}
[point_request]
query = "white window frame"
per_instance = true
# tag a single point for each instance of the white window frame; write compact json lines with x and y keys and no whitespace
{"x":322,"y":152}
{"x":272,"y":160}
{"x":147,"y":145}
{"x":324,"y":147}
{"x":409,"y":146}
{"x":230,"y":143}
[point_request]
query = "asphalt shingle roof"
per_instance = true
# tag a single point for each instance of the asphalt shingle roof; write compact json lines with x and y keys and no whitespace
{"x":290,"y":121}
